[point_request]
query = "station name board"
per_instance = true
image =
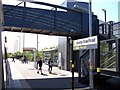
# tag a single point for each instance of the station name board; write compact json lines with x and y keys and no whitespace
{"x":85,"y":43}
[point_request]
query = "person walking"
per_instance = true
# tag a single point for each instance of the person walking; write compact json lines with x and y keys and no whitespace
{"x":39,"y":64}
{"x":50,"y":64}
{"x":13,"y":59}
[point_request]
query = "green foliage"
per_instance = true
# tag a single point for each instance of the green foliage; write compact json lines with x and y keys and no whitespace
{"x":29,"y":55}
{"x":10,"y":55}
{"x":17,"y":53}
{"x":40,"y":54}
{"x":104,"y":47}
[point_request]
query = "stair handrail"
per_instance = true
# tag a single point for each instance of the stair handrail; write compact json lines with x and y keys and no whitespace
{"x":83,"y":53}
{"x":108,"y":60}
{"x":85,"y":62}
{"x":108,"y":52}
{"x":111,"y":64}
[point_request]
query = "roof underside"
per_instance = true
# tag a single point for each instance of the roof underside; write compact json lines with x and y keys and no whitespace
{"x":49,"y":22}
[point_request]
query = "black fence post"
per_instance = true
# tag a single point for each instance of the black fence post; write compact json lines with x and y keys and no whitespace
{"x":97,"y":65}
{"x":118,"y":56}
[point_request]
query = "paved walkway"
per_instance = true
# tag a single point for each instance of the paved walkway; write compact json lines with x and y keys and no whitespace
{"x":25,"y":76}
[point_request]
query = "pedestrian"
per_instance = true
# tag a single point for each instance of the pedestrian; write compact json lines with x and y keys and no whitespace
{"x":50,"y":64}
{"x":25,"y":60}
{"x":39,"y":64}
{"x":13,"y":60}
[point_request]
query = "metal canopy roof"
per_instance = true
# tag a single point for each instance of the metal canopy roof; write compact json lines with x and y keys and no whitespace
{"x":49,"y":22}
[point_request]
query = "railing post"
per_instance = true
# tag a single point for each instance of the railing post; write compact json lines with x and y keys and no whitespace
{"x":110,"y":30}
{"x":79,"y":65}
{"x":97,"y":63}
{"x":103,"y":29}
{"x":118,"y":56}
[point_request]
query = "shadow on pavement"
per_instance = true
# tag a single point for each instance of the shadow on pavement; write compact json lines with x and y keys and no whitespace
{"x":54,"y":83}
{"x":53,"y":73}
{"x":110,"y":84}
{"x":31,"y":68}
{"x":44,"y":74}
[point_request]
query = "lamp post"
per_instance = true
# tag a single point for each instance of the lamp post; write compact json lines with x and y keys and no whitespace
{"x":37,"y":44}
{"x":16,"y":45}
{"x":23,"y":43}
{"x":105,"y":20}
{"x":19,"y":42}
{"x":19,"y":45}
{"x":90,"y":56}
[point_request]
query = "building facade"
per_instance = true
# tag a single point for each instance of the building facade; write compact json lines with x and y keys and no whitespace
{"x":50,"y":53}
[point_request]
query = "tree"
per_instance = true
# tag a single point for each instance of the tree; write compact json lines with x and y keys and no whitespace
{"x":40,"y":54}
{"x":9,"y":55}
{"x":17,"y":55}
{"x":29,"y":55}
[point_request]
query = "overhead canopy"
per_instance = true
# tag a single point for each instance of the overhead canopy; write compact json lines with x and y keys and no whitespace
{"x":49,"y":22}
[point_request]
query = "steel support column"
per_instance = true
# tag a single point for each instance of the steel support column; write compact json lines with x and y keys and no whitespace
{"x":1,"y":59}
{"x":79,"y":65}
{"x":68,"y":55}
{"x":71,"y":43}
{"x":97,"y":65}
{"x":118,"y":55}
{"x":97,"y":55}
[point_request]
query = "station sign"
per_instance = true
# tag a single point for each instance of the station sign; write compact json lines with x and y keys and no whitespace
{"x":85,"y":43}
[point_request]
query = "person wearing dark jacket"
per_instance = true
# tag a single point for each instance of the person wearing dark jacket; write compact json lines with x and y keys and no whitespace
{"x":13,"y":60}
{"x":39,"y":64}
{"x":50,"y":64}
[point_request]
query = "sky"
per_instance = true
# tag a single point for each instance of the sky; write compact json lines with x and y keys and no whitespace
{"x":111,"y":7}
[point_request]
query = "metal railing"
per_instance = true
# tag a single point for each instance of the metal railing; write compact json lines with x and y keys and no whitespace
{"x":84,"y":63}
{"x":112,"y":29}
{"x":107,"y":64}
{"x":108,"y":55}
